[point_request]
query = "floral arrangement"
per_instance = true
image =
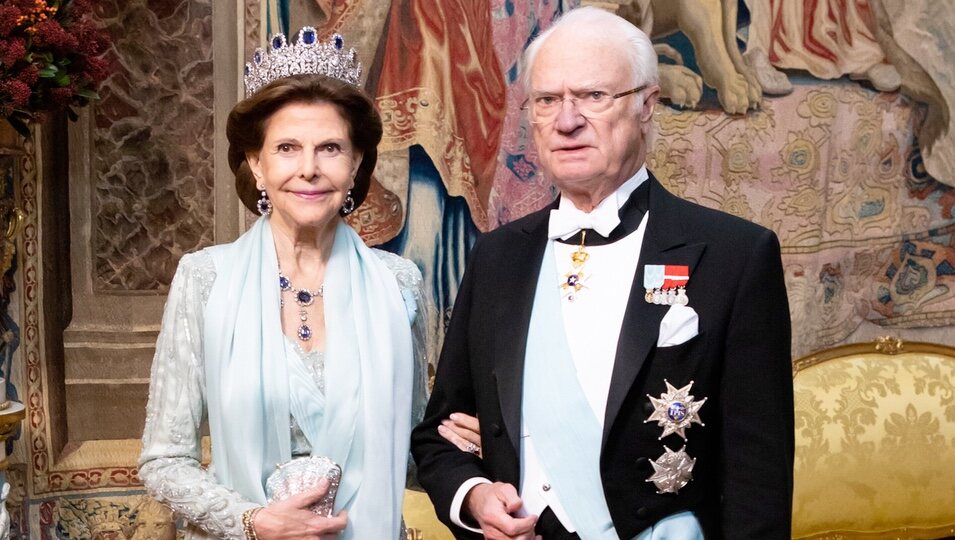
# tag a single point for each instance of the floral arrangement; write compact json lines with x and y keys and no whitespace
{"x":50,"y":59}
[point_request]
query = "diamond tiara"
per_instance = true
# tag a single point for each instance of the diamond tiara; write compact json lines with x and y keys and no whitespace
{"x":306,"y":55}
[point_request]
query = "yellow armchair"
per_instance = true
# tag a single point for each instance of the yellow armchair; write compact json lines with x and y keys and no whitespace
{"x":875,"y":442}
{"x":420,"y":519}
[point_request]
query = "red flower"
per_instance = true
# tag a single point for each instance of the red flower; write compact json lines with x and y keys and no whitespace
{"x":49,"y":33}
{"x":29,"y":75}
{"x":61,"y":97}
{"x":79,"y":8}
{"x":63,"y":44}
{"x":92,"y":41}
{"x":12,"y":51}
{"x":96,"y":69}
{"x":8,"y":19}
{"x":18,"y":91}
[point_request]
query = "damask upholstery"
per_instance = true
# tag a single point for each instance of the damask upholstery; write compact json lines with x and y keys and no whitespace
{"x":875,"y":442}
{"x":420,"y":518}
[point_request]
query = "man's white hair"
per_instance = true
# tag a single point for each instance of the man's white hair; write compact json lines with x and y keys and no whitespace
{"x":594,"y":21}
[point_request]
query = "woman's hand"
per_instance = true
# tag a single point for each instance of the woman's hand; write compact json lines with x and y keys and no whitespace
{"x":292,"y":519}
{"x":464,"y":431}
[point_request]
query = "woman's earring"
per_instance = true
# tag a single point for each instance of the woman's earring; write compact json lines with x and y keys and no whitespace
{"x":264,"y":205}
{"x":349,"y":205}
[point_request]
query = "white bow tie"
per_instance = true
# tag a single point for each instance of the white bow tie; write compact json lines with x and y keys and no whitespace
{"x":568,"y":220}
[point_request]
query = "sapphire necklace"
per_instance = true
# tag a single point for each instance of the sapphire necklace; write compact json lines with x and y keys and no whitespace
{"x":304,"y":298}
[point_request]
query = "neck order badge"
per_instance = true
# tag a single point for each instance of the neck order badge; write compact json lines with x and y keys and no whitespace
{"x":574,"y":280}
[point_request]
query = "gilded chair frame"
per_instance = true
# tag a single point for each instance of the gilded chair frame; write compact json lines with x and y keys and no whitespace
{"x":888,"y":346}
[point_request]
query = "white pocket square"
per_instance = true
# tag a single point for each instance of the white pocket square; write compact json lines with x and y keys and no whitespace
{"x":678,"y":325}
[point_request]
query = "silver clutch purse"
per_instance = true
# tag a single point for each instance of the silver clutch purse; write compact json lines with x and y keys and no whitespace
{"x":304,"y":474}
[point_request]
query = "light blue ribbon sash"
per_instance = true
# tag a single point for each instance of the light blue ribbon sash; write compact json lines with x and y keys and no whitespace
{"x":557,"y":415}
{"x":566,"y":432}
{"x":682,"y":526}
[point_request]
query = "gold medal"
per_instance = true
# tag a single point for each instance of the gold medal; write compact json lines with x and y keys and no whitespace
{"x":574,"y":280}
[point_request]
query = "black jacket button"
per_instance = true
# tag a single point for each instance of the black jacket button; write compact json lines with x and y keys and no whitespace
{"x":643,"y":463}
{"x":496,"y":430}
{"x":648,"y":407}
{"x":642,"y":512}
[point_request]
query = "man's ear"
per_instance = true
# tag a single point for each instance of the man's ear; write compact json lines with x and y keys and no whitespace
{"x":652,"y":96}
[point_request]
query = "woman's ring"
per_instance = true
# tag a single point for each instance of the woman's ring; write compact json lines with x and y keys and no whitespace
{"x":472,"y":448}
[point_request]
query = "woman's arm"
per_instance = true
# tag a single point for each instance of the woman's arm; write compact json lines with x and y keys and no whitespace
{"x":421,"y":316}
{"x":170,"y":463}
{"x":423,"y":337}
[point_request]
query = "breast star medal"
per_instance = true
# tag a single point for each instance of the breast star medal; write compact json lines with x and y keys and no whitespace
{"x":574,"y":280}
{"x":675,"y":410}
{"x":672,"y":470}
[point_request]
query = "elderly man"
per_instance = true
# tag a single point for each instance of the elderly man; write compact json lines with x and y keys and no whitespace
{"x":627,"y":352}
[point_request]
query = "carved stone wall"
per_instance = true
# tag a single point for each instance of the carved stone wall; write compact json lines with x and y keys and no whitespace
{"x":142,"y":180}
{"x":142,"y":194}
{"x":253,"y":24}
{"x":152,"y":144}
{"x":148,"y":181}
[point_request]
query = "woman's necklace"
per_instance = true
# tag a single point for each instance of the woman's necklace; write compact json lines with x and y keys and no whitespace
{"x":304,"y":298}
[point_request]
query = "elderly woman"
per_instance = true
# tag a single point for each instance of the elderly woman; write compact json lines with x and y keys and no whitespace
{"x":295,"y":339}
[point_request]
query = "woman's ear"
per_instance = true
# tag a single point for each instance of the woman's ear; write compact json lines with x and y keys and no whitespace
{"x":252,"y":158}
{"x":358,"y":155}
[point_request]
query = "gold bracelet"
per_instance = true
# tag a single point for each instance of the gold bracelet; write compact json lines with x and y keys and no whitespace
{"x":248,"y":523}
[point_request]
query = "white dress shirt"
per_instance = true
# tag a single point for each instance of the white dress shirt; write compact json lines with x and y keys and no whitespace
{"x":592,"y":324}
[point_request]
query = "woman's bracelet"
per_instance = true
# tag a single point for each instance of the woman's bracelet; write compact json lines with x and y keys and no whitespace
{"x":248,"y":523}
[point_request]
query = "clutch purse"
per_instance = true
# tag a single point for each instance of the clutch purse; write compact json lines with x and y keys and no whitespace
{"x":304,"y":474}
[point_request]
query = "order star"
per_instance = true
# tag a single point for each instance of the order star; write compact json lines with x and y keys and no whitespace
{"x":672,"y":470}
{"x":675,"y":410}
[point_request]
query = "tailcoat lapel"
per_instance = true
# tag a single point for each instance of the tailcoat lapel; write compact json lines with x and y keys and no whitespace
{"x":518,"y":284}
{"x":665,"y":242}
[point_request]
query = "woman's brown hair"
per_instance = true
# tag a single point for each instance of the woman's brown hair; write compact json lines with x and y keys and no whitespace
{"x":245,"y":127}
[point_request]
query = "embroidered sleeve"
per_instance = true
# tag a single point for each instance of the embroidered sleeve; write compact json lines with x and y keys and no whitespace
{"x":170,"y":463}
{"x":421,"y":335}
{"x":421,"y":312}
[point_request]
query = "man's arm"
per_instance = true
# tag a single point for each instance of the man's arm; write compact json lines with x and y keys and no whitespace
{"x":757,"y":402}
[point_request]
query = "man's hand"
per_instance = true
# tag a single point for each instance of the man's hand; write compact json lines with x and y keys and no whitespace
{"x":292,"y":518}
{"x":492,"y":505}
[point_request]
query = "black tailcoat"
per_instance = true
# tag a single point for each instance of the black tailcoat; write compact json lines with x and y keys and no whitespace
{"x":740,"y":361}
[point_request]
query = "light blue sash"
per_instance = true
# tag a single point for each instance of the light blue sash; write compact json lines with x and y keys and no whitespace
{"x":566,"y":433}
{"x":363,"y":421}
{"x":682,"y":526}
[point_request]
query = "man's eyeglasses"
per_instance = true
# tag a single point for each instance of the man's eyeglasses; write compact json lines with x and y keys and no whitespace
{"x":544,"y":107}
